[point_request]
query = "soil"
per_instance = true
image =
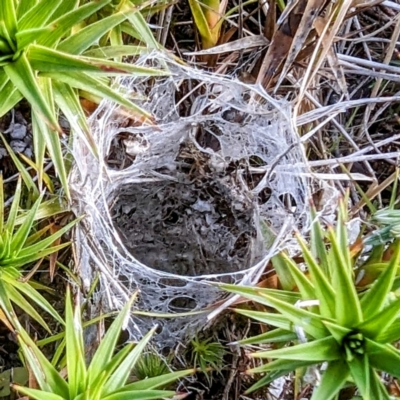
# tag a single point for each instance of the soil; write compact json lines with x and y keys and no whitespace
{"x":200,"y":224}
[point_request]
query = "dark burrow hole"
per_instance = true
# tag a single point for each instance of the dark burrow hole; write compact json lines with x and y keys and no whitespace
{"x":182,"y":303}
{"x":288,"y":201}
{"x":190,"y":229}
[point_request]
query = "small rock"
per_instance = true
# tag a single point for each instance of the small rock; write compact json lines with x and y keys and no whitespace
{"x":28,"y":152}
{"x":18,"y":146}
{"x":64,"y":123}
{"x":3,"y":152}
{"x":20,"y":118}
{"x":18,"y":131}
{"x":202,"y":206}
{"x":127,"y":208}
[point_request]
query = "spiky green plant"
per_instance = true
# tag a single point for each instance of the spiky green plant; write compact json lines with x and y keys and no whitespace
{"x":207,"y":355}
{"x":389,"y":221}
{"x":329,"y":322}
{"x":22,"y":243}
{"x":107,"y":375}
{"x":150,"y":365}
{"x":42,"y":59}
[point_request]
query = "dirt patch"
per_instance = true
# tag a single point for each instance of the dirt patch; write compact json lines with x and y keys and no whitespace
{"x":199,"y":224}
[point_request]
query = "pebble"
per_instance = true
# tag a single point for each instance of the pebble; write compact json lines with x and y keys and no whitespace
{"x":3,"y":152}
{"x":18,"y":146}
{"x":18,"y":131}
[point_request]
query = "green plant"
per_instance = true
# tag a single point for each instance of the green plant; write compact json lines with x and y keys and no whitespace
{"x":21,"y":243}
{"x":207,"y":15}
{"x":42,"y":59}
{"x":107,"y":375}
{"x":207,"y":355}
{"x":329,"y":321}
{"x":150,"y":365}
{"x":134,"y":27}
{"x":389,"y":221}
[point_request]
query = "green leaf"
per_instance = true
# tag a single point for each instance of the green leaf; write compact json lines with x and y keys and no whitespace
{"x":1,"y":202}
{"x":7,"y":44}
{"x":383,"y":357}
{"x":75,"y":352}
{"x":21,"y":302}
{"x":390,"y":334}
{"x":10,"y":96}
{"x":360,"y":371}
{"x":278,"y":368}
{"x":274,"y":336}
{"x":280,"y":265}
{"x":86,"y":37}
{"x":337,"y":331}
{"x":201,"y":22}
{"x":12,"y":215}
{"x":280,"y":365}
{"x":37,"y":394}
{"x":59,"y":27}
{"x":157,"y":381}
{"x":378,"y":391}
{"x":4,"y":79}
{"x":68,"y":101}
{"x":48,"y":208}
{"x":121,"y":374}
{"x":84,"y":81}
{"x":107,"y":345}
{"x":255,"y":293}
{"x":46,"y":375}
{"x":21,"y":260}
{"x":43,"y":244}
{"x":333,"y":380}
{"x":30,"y":36}
{"x":322,"y":287}
{"x":5,"y":239}
{"x":138,"y":22}
{"x":39,"y":144}
{"x":19,"y":237}
{"x":44,"y":59}
{"x":51,"y":139}
{"x":373,"y":301}
{"x":66,"y":7}
{"x":115,"y":51}
{"x":48,"y":60}
{"x":24,"y":6}
{"x":320,"y":350}
{"x":8,"y":15}
{"x":102,"y":381}
{"x":375,"y":325}
{"x":38,"y":15}
{"x":266,"y":380}
{"x":306,"y":288}
{"x":310,"y":322}
{"x":348,"y":309}
{"x":5,"y":304}
{"x":27,"y":289}
{"x":141,"y":395}
{"x":276,"y":320}
{"x":21,"y":74}
{"x":18,"y":375}
{"x":318,"y":248}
